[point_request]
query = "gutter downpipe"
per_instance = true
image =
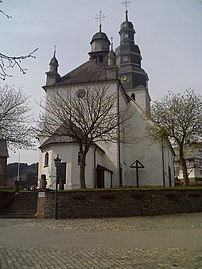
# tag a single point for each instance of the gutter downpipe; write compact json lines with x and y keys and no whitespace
{"x":119,"y":142}
{"x":163,"y":162}
{"x":94,"y":164}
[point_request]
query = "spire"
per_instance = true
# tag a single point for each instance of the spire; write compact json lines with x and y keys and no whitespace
{"x":111,"y":63}
{"x":126,"y":2}
{"x":100,"y":18}
{"x":99,"y":43}
{"x":112,"y":39}
{"x":52,"y":74}
{"x":54,"y":61}
{"x":54,"y":51}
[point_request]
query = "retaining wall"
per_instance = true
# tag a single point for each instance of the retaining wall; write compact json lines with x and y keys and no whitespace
{"x":122,"y":203}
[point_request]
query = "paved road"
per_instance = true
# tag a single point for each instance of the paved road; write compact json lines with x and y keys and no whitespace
{"x":121,"y":243}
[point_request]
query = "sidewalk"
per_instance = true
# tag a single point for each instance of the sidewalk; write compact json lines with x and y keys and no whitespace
{"x":139,"y":242}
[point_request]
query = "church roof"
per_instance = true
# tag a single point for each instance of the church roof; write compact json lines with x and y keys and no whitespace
{"x":3,"y":149}
{"x":56,"y":139}
{"x":59,"y":137}
{"x":87,"y":72}
{"x":100,"y":36}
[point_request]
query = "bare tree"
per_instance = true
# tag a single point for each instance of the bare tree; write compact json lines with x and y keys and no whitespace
{"x":8,"y":61}
{"x":178,"y":119}
{"x":15,"y":127}
{"x":87,"y":116}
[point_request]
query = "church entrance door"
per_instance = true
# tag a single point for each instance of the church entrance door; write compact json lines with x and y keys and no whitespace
{"x":100,"y":177}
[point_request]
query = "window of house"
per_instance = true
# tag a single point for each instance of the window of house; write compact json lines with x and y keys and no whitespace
{"x":198,"y":163}
{"x":46,"y":161}
{"x":200,"y":172}
{"x":200,"y":152}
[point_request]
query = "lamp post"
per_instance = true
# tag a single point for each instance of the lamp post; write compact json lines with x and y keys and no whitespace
{"x":57,"y":161}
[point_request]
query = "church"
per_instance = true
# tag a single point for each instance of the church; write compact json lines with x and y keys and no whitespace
{"x":111,"y":165}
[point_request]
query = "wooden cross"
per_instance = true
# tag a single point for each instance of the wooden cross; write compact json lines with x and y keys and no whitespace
{"x":100,"y":18}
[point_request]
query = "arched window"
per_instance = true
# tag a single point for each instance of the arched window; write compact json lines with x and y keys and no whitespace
{"x":46,"y":161}
{"x":133,"y":96}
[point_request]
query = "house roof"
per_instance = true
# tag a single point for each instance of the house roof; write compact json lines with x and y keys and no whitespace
{"x":3,"y":150}
{"x":87,"y":72}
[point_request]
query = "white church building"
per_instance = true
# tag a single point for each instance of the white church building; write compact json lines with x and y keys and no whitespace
{"x":108,"y":165}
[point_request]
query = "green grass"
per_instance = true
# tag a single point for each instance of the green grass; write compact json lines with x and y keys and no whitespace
{"x":138,"y":189}
{"x":151,"y":188}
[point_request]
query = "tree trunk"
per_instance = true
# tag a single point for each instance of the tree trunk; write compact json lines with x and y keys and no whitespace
{"x":184,"y":171}
{"x":82,"y":170}
{"x":184,"y":167}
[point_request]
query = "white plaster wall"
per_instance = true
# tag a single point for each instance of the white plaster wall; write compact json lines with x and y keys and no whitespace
{"x":168,"y":162}
{"x":149,"y":154}
{"x":107,"y":177}
{"x":49,"y":170}
{"x":140,"y":148}
{"x":68,"y":153}
{"x":142,"y":97}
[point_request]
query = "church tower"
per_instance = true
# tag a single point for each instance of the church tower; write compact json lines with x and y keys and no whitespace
{"x":132,"y":76}
{"x":99,"y":44}
{"x":52,"y":74}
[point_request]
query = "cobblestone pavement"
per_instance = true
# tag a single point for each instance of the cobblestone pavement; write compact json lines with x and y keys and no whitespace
{"x":120,"y":243}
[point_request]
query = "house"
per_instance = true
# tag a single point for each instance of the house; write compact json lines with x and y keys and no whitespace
{"x":135,"y":162}
{"x":3,"y":162}
{"x":193,"y":157}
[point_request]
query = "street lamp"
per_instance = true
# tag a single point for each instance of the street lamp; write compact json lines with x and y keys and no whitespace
{"x":57,"y":161}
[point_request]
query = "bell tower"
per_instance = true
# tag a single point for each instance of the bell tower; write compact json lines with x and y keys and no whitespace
{"x":99,"y":44}
{"x":52,"y":74}
{"x":131,"y":74}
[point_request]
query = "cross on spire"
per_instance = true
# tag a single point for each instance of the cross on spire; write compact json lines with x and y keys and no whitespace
{"x":112,"y":39}
{"x":126,"y":2}
{"x":100,"y":18}
{"x":54,"y":50}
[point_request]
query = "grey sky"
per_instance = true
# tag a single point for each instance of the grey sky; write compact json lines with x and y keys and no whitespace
{"x":167,"y":32}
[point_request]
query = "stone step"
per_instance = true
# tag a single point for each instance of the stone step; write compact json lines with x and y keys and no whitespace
{"x":23,"y":205}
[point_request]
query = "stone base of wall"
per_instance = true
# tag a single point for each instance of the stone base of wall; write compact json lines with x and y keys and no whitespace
{"x":122,"y":203}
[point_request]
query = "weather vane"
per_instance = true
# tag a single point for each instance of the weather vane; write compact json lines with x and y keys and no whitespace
{"x":100,"y":18}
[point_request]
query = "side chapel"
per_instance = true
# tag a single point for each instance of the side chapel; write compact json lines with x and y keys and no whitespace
{"x":108,"y":165}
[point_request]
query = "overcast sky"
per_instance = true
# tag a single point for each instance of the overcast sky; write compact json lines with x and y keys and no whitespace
{"x":169,"y":35}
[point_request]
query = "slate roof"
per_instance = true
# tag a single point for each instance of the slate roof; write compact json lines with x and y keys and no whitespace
{"x":58,"y":137}
{"x":87,"y":72}
{"x":3,"y":150}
